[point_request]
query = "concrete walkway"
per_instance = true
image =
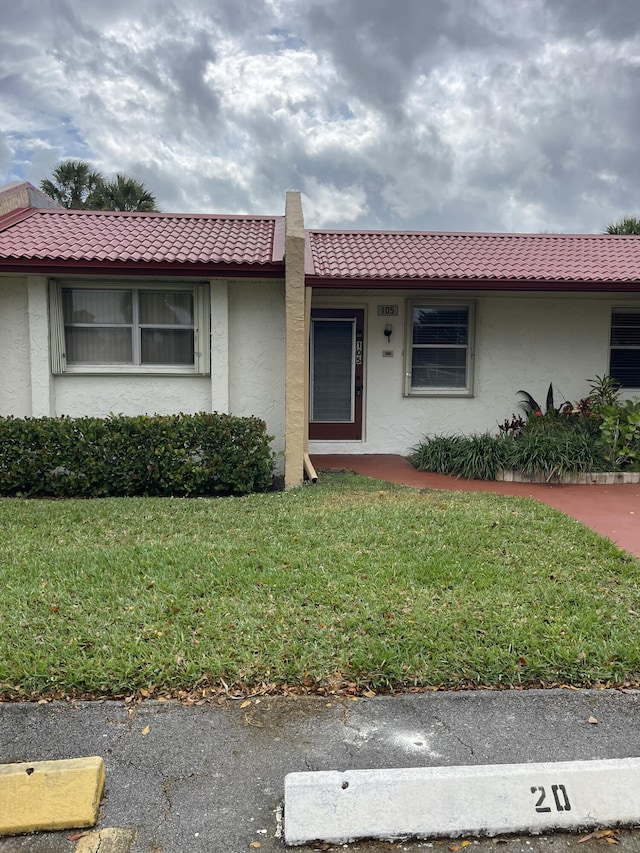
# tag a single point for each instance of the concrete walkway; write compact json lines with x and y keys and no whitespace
{"x":612,"y":511}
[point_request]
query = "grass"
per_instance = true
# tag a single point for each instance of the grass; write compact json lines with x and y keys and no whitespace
{"x":350,"y":580}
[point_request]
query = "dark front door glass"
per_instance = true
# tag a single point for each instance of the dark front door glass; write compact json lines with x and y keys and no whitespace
{"x":336,"y":374}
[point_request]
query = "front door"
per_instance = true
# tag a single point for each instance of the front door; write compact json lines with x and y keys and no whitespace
{"x":336,"y":373}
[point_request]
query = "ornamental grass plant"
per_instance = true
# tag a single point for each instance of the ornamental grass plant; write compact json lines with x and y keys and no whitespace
{"x":597,"y":433}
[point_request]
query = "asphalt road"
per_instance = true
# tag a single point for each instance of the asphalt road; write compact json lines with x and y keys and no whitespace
{"x":210,"y":778}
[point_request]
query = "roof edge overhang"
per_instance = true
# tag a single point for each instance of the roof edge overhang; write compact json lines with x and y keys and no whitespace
{"x":17,"y":215}
{"x":520,"y":285}
{"x":543,"y":235}
{"x":147,"y":214}
{"x":119,"y":268}
{"x":277,"y":248}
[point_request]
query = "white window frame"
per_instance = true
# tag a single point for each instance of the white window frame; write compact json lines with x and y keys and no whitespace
{"x":440,"y":391}
{"x":201,"y":330}
{"x":632,"y":347}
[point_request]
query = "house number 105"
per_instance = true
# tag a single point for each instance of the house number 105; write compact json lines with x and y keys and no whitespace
{"x":560,"y":798}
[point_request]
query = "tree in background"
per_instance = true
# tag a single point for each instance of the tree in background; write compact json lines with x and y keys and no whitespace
{"x":124,"y":193}
{"x":75,"y":185}
{"x":72,"y":184}
{"x":627,"y":225}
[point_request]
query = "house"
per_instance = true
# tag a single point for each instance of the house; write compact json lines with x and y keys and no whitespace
{"x":342,"y":341}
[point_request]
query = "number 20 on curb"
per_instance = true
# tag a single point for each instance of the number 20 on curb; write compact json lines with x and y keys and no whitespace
{"x":560,"y":798}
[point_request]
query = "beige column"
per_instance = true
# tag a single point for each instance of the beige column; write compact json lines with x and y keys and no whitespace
{"x":295,"y":341}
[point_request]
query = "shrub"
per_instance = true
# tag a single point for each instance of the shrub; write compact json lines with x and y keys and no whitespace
{"x":477,"y":457}
{"x":620,"y":434}
{"x":146,"y":455}
{"x":555,"y":452}
{"x":480,"y":457}
{"x":532,"y":407}
{"x":436,"y":454}
{"x":609,"y":430}
{"x":603,"y":391}
{"x":596,"y":433}
{"x":580,"y":417}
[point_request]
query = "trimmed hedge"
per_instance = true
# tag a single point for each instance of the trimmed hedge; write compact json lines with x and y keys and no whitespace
{"x":161,"y":455}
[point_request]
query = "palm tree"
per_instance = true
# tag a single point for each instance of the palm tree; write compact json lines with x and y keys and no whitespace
{"x":124,"y":193}
{"x":627,"y":225}
{"x":75,"y":185}
{"x":72,"y":184}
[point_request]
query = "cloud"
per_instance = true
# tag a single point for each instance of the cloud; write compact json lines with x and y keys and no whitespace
{"x":460,"y":115}
{"x":326,"y":204}
{"x":5,"y":154}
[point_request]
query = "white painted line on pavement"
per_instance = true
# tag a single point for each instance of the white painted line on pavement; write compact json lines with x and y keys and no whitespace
{"x":427,"y":802}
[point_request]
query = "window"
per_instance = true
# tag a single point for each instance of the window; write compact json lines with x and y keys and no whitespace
{"x":624,"y":363}
{"x":440,"y":350}
{"x":126,"y":328}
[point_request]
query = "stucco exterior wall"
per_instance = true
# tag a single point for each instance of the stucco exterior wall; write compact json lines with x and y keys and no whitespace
{"x":257,"y":354}
{"x":100,"y":396}
{"x":247,"y":367}
{"x":247,"y":362}
{"x":15,"y":378}
{"x":522,"y":342}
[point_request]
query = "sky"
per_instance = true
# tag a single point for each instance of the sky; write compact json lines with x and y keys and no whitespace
{"x":437,"y":115}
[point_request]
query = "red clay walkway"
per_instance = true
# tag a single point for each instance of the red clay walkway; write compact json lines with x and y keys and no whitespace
{"x":613,"y":511}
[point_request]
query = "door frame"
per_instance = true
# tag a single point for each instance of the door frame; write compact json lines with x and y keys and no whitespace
{"x":342,"y":430}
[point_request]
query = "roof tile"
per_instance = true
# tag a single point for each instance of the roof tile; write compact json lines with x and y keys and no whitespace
{"x":90,"y":236}
{"x":529,"y":257}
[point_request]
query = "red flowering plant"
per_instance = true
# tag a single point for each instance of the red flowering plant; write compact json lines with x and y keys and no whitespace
{"x":583,"y":416}
{"x":512,"y":427}
{"x":536,"y":418}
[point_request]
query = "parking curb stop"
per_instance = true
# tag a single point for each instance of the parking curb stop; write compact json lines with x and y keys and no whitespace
{"x":50,"y":795}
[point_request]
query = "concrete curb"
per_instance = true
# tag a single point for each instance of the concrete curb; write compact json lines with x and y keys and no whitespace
{"x":50,"y":795}
{"x":110,"y":840}
{"x":608,"y":478}
{"x":479,"y":800}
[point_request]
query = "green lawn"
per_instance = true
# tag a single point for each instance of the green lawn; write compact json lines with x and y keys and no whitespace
{"x":348,"y":580}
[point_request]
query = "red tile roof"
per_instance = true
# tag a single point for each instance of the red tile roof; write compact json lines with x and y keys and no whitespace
{"x":73,"y":241}
{"x":379,"y":257}
{"x":136,"y":240}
